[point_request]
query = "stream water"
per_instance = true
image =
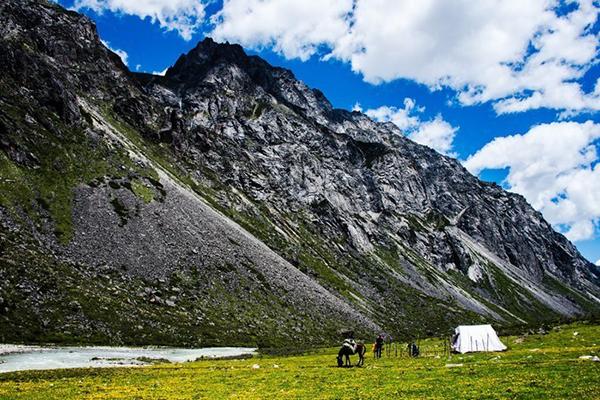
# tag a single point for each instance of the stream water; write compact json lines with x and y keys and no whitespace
{"x":20,"y":358}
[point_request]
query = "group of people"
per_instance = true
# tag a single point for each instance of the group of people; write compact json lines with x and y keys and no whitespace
{"x":350,"y":346}
{"x":377,"y":349}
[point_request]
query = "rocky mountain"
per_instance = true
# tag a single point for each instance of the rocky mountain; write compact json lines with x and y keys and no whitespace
{"x":228,"y":203}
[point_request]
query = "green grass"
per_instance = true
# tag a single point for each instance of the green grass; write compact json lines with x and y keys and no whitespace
{"x":534,"y":367}
{"x":66,"y":157}
{"x":142,"y":191}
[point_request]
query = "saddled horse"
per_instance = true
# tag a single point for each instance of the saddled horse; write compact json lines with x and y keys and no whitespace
{"x":347,"y":351}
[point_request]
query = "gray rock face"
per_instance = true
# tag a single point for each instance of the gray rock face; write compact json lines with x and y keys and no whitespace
{"x":227,"y":202}
{"x":282,"y":144}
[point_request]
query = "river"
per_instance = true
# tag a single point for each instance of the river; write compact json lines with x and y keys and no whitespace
{"x":20,"y":358}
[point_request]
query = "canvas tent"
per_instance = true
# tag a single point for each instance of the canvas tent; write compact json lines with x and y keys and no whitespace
{"x":470,"y":338}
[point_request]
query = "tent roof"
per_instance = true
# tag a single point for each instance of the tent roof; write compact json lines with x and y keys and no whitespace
{"x":468,"y":328}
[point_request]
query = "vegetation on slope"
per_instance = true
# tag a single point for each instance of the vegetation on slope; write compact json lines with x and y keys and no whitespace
{"x":44,"y":300}
{"x":61,"y":157}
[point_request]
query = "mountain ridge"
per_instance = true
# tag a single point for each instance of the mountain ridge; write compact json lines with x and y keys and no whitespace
{"x":126,"y":184}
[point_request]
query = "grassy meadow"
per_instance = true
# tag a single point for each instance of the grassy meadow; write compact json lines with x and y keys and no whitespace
{"x":534,"y":367}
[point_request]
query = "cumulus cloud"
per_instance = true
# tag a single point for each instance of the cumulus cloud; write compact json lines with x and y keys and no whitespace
{"x":183,"y":16}
{"x":403,"y":118}
{"x":436,"y":133}
{"x":556,"y":167}
{"x":519,"y":54}
{"x":293,"y":28}
{"x":598,"y":263}
{"x":121,"y":53}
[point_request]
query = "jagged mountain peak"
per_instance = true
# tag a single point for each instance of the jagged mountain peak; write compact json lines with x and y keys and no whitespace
{"x":230,"y":66}
{"x":208,"y":54}
{"x":205,"y":55}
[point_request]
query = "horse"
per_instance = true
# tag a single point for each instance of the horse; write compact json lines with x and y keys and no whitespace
{"x":347,"y":351}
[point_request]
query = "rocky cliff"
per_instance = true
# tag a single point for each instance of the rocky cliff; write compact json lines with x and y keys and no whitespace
{"x":227,"y":202}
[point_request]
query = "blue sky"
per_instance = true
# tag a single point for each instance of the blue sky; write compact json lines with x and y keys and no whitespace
{"x":508,"y":69}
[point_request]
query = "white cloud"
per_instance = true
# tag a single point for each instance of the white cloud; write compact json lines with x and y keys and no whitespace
{"x":519,"y":54}
{"x":183,"y":16}
{"x":598,"y":263}
{"x":401,"y":117}
{"x":293,"y":28}
{"x":556,"y":167}
{"x":436,"y":133}
{"x":121,"y":53}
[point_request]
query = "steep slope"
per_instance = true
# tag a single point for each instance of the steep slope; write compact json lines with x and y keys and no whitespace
{"x":101,"y":239}
{"x":121,"y":195}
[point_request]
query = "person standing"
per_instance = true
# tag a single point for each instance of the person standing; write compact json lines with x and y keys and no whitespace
{"x":378,"y":346}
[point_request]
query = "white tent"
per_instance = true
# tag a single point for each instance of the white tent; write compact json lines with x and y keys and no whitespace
{"x":470,"y":338}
